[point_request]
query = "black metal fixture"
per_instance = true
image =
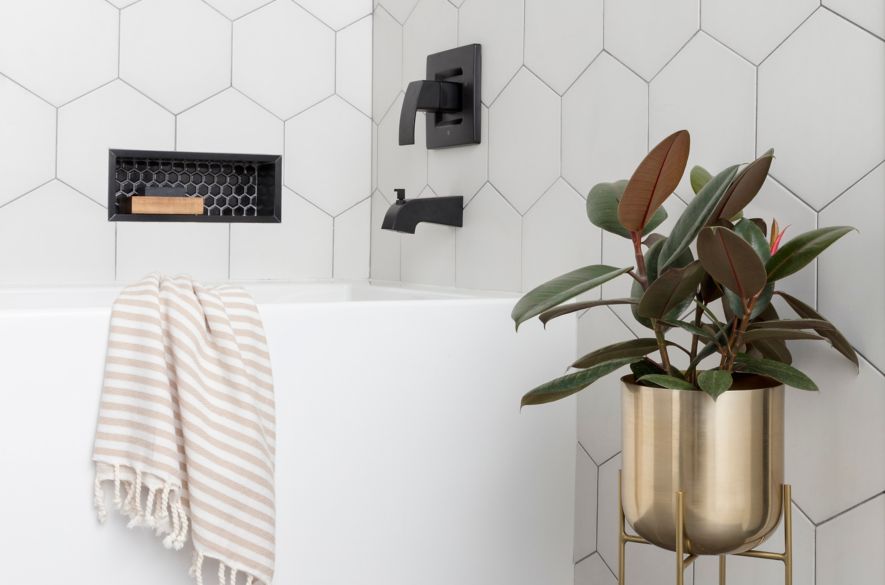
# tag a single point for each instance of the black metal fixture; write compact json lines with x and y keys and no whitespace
{"x":405,"y":214}
{"x":451,"y":97}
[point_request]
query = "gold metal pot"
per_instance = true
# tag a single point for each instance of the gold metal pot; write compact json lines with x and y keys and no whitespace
{"x":726,"y":456}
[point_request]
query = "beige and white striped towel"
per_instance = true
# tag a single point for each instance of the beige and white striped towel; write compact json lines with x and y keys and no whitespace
{"x":186,"y":430}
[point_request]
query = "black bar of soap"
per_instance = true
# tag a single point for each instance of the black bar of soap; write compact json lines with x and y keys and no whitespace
{"x":163,"y":191}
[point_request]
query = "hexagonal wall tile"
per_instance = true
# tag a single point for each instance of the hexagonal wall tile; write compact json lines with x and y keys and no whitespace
{"x":561,"y":38}
{"x":557,"y":237}
{"x":71,"y":47}
{"x":487,"y":248}
{"x":850,"y":272}
{"x":175,"y":51}
{"x":332,"y":173}
{"x":645,"y":34}
{"x":81,"y":249}
{"x":850,"y":546}
{"x":524,"y":149}
{"x":462,"y":170}
{"x":230,"y":122}
{"x":401,"y":167}
{"x":870,"y":15}
{"x":338,"y":14}
{"x":27,"y":140}
{"x":236,"y":8}
{"x":115,"y":116}
{"x":387,"y":62}
{"x":352,"y":242}
{"x":284,"y":58}
{"x":828,"y":470}
{"x":431,"y":28}
{"x":385,"y":244}
{"x":829,"y":80}
{"x":604,"y":125}
{"x":428,"y":255}
{"x":301,"y":244}
{"x":353,"y":64}
{"x":585,"y":505}
{"x":754,"y":28}
{"x":717,"y":108}
{"x":400,"y":9}
{"x":498,"y":26}
{"x":592,"y":571}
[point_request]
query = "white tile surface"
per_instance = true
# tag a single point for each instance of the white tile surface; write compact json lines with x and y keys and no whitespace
{"x":585,"y":505}
{"x":400,"y":9}
{"x":428,"y":255}
{"x":561,"y":38}
{"x":498,"y":26}
{"x":385,"y":244}
{"x":754,"y":28}
{"x":175,"y":51}
{"x":387,"y":62}
{"x":717,"y":108}
{"x":27,"y":140}
{"x":524,"y":140}
{"x":401,"y":166}
{"x":645,"y":34}
{"x":339,"y":13}
{"x":58,"y":49}
{"x":850,"y":547}
{"x":284,"y":58}
{"x":353,"y":64}
{"x":115,"y":116}
{"x":431,"y":28}
{"x":298,"y":248}
{"x":829,"y":80}
{"x":462,"y":170}
{"x":230,"y":122}
{"x":592,"y":571}
{"x":870,"y":15}
{"x":487,"y":248}
{"x":828,"y":470}
{"x":200,"y":250}
{"x":845,"y":296}
{"x":557,"y":237}
{"x":319,"y":165}
{"x":237,"y":8}
{"x":352,"y":242}
{"x":72,"y":244}
{"x":604,"y":125}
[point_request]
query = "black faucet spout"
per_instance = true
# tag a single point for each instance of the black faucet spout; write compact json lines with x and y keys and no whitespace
{"x":405,"y":214}
{"x":426,"y":96}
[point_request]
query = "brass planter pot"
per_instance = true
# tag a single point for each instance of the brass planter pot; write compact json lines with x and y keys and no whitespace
{"x":725,"y":456}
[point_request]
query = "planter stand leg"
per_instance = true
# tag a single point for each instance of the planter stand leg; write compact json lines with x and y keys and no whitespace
{"x":683,"y":561}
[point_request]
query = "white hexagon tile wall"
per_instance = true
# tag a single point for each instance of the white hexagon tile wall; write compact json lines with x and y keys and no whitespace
{"x":256,"y":76}
{"x":574,"y":92}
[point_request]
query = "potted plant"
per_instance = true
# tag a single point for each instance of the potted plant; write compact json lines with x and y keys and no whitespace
{"x":703,"y":418}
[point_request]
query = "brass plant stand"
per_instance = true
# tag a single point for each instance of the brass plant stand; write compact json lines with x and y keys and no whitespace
{"x":684,"y":558}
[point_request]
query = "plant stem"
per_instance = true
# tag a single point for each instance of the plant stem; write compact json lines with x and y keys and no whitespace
{"x":662,"y":344}
{"x":640,"y":259}
{"x":698,"y":313}
{"x":738,"y":333}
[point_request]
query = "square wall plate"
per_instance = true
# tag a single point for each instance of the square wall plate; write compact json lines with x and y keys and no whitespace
{"x":461,"y":65}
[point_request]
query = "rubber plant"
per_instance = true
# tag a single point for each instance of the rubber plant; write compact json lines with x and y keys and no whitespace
{"x":721,"y":298}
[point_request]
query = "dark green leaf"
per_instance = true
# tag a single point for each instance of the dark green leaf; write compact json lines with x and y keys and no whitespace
{"x":568,"y":309}
{"x":714,"y":382}
{"x":760,"y":223}
{"x":572,"y":383}
{"x":798,"y":252}
{"x":816,"y":324}
{"x":633,"y":348}
{"x":602,"y":209}
{"x":664,"y":381}
{"x":670,"y":290}
{"x":695,"y":216}
{"x":731,"y":261}
{"x":787,"y":334}
{"x":751,"y":234}
{"x":561,"y":289}
{"x":737,"y":307}
{"x":745,"y":186}
{"x":775,"y":349}
{"x":651,"y":266}
{"x":653,"y":181}
{"x":645,"y":366}
{"x":776,"y":370}
{"x":836,"y":338}
{"x":699,"y":177}
{"x":704,"y":332}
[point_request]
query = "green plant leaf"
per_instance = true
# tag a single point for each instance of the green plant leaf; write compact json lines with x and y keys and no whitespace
{"x":669,"y":290}
{"x":574,"y":307}
{"x":653,"y":181}
{"x":561,"y":289}
{"x":745,"y":186}
{"x":750,"y":232}
{"x":699,"y":177}
{"x":798,"y":252}
{"x":633,"y":348}
{"x":602,"y":209}
{"x":836,"y":338}
{"x":816,"y":324}
{"x":696,"y":215}
{"x":664,"y":381}
{"x":776,"y":370}
{"x":775,"y":349}
{"x":786,"y":334}
{"x":704,"y":332}
{"x":714,"y":382}
{"x":572,"y":383}
{"x":651,"y":266}
{"x":731,"y":261}
{"x":645,"y":366}
{"x":737,"y":307}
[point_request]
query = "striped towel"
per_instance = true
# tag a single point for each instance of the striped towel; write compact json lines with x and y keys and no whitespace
{"x":186,"y":423}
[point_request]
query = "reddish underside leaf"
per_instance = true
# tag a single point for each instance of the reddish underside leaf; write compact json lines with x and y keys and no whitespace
{"x":731,"y":261}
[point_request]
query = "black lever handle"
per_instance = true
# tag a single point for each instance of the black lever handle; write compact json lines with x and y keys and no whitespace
{"x":427,"y":96}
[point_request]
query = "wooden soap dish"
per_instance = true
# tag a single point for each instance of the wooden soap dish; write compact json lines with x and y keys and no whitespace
{"x":166,"y":201}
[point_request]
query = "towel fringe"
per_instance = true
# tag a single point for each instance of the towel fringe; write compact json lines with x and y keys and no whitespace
{"x":233,"y":576}
{"x":249,"y":580}
{"x":221,"y":575}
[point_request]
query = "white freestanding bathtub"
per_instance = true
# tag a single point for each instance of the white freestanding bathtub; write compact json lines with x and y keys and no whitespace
{"x":403,"y":457}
